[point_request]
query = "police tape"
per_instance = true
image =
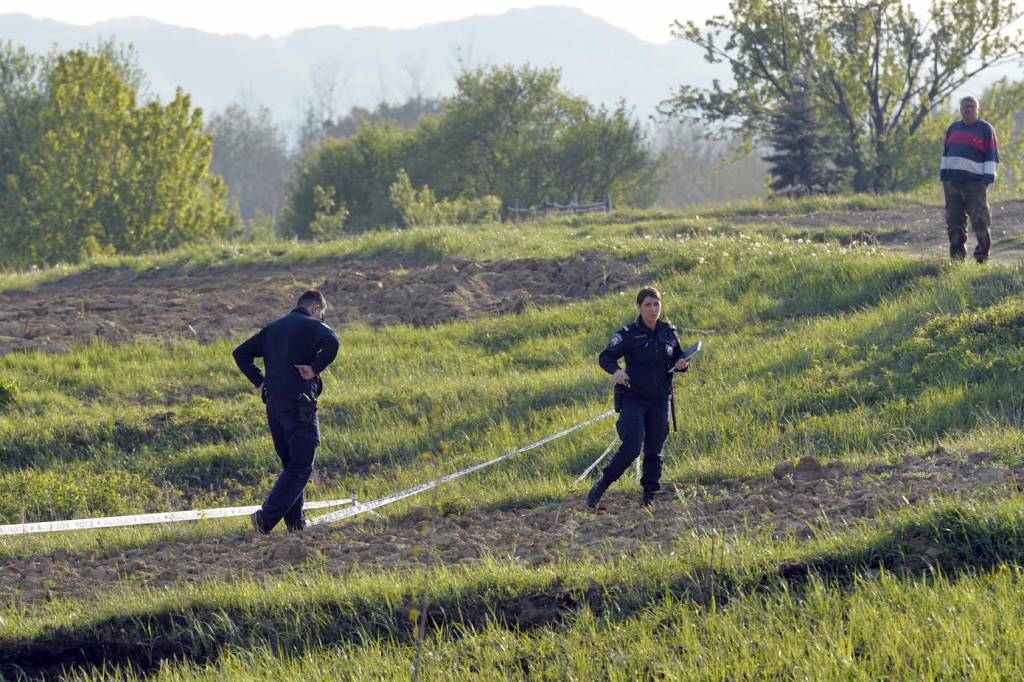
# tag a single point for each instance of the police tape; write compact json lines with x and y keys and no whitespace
{"x":597,"y":461}
{"x":146,"y":519}
{"x":362,"y":507}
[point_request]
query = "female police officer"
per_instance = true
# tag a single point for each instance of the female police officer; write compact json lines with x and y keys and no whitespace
{"x":652,"y":351}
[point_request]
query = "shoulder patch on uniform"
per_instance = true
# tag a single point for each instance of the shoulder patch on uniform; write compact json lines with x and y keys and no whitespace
{"x":615,"y":340}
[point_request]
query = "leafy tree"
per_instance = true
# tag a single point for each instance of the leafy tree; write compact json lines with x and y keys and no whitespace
{"x":513,"y":133}
{"x":507,"y":132}
{"x":355,"y":173}
{"x":93,"y":171}
{"x":251,"y":153}
{"x":878,"y":71}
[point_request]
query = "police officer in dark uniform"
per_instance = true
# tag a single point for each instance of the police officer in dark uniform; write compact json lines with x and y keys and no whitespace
{"x":295,"y":350}
{"x":652,"y":350}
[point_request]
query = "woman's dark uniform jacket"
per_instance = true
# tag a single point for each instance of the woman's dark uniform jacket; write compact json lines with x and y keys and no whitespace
{"x":649,"y":354}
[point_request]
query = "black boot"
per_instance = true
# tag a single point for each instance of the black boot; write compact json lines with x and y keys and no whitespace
{"x":647,"y":499}
{"x":596,"y":491}
{"x":258,"y":522}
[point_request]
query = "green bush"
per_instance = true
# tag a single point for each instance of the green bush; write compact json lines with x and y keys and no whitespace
{"x":420,"y":207}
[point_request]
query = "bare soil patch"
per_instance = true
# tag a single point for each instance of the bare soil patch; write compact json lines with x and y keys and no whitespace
{"x":917,"y":229}
{"x":796,"y":501}
{"x":208,"y":303}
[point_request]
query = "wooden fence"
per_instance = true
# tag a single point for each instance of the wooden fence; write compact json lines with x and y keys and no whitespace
{"x":548,"y":207}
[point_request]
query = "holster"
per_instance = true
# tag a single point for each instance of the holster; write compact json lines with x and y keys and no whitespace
{"x":618,"y":393}
{"x":306,"y":408}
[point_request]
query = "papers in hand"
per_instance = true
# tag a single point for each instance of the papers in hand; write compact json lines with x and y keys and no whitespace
{"x":687,"y":354}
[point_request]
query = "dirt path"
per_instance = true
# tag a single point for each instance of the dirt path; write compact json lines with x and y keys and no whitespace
{"x":208,"y":303}
{"x":797,"y":501}
{"x":919,"y":229}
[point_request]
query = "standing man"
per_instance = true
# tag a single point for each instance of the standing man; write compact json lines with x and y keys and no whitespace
{"x":969,"y":162}
{"x":295,"y":350}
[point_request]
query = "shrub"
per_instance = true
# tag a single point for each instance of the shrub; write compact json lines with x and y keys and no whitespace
{"x":420,"y":207}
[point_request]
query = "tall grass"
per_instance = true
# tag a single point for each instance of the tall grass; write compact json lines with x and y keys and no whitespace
{"x":839,"y":352}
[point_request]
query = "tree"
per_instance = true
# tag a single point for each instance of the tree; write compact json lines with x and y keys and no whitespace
{"x":803,"y":153}
{"x":353,"y":174}
{"x":512,"y":132}
{"x":251,"y":153}
{"x":327,"y":79}
{"x":96,"y":172}
{"x":877,"y":70}
{"x":507,"y":132}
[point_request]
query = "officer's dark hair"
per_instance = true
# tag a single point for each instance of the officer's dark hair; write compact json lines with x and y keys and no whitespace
{"x":312,"y":297}
{"x":647,"y":292}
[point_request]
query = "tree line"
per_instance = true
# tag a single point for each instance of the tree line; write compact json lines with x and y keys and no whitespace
{"x":88,"y":168}
{"x":850,"y":94}
{"x":834,"y":95}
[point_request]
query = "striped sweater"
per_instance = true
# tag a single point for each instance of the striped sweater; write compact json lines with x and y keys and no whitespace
{"x":971,"y":153}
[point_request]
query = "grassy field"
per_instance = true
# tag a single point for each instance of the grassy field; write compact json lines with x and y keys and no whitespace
{"x":814,"y":346}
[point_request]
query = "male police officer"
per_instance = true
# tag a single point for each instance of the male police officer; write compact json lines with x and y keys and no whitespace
{"x":652,"y":351}
{"x":295,"y":350}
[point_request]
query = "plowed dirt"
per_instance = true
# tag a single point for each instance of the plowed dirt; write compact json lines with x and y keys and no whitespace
{"x":798,"y":500}
{"x":209,"y":303}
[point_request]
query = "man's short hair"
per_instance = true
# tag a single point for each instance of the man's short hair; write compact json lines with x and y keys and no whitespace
{"x":312,"y":297}
{"x":970,"y":98}
{"x":647,"y":292}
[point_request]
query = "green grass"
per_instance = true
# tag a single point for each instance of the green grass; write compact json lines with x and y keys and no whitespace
{"x":904,"y":596}
{"x":183,"y":419}
{"x":820,"y":348}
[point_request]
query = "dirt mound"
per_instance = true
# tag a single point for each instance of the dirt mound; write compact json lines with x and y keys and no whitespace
{"x":174,"y":303}
{"x":919,"y":229}
{"x":464,"y":289}
{"x":799,"y":501}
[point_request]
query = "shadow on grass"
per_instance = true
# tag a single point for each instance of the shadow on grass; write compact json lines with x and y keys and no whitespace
{"x":951,"y":540}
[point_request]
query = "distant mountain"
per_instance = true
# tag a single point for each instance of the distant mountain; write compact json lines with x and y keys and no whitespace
{"x":370,"y":65}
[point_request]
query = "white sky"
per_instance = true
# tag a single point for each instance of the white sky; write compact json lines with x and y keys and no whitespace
{"x":648,"y":19}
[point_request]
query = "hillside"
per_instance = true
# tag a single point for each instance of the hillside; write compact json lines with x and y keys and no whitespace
{"x":598,"y":61}
{"x":842,"y":495}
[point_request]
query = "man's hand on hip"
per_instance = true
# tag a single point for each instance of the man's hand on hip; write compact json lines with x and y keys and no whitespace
{"x":306,"y":372}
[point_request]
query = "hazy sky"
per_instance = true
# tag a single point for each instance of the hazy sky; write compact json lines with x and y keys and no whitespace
{"x":648,"y":19}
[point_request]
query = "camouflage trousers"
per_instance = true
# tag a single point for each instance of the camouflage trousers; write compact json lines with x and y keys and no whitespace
{"x":963,"y":200}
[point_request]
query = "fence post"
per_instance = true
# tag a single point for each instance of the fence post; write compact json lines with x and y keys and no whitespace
{"x":608,"y":203}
